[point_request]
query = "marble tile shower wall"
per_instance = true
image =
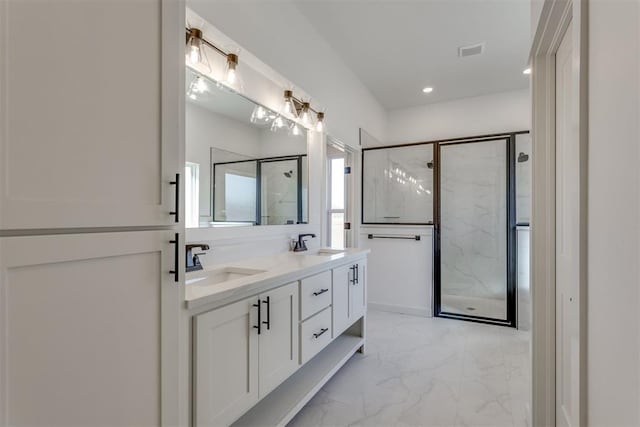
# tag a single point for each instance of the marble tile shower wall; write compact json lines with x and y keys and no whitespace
{"x":473,"y":235}
{"x":398,"y":185}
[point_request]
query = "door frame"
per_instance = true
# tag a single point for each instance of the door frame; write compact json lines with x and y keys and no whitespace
{"x":554,"y":20}
{"x":509,"y":140}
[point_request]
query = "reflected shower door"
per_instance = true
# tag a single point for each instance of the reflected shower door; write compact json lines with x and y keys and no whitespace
{"x":279,"y":196}
{"x":474,"y":234}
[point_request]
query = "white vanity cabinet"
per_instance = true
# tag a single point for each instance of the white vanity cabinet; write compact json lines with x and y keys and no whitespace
{"x":243,"y":351}
{"x":278,"y":342}
{"x":349,"y":295}
{"x":258,"y":360}
{"x":226,"y":363}
{"x":88,"y":117}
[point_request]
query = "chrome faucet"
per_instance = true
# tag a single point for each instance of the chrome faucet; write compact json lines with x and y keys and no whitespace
{"x":193,"y":262}
{"x":301,"y":244}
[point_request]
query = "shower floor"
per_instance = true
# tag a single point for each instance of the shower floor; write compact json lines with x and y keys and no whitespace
{"x":474,"y":306}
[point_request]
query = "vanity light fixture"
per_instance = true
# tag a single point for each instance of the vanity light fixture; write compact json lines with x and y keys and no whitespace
{"x":259,"y":114}
{"x":305,"y":115}
{"x":197,"y":86}
{"x":294,"y":129}
{"x":195,"y":49}
{"x":320,"y":122}
{"x":277,"y":124}
{"x":289,"y":108}
{"x":197,"y":56}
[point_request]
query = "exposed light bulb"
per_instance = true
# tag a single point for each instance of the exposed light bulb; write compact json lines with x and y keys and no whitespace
{"x":201,"y":84}
{"x":259,"y":114}
{"x":195,"y":50}
{"x":294,"y":130}
{"x":231,"y":75}
{"x":320,"y":122}
{"x":306,"y":117}
{"x":427,"y":89}
{"x":194,"y":55}
{"x":277,"y":124}
{"x":289,"y":108}
{"x":526,"y":71}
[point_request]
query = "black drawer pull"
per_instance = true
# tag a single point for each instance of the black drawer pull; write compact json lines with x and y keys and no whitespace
{"x":259,"y":326}
{"x":268,"y":322}
{"x":320,"y":292}
{"x":176,"y":257}
{"x":322,"y":331}
{"x":176,"y":212}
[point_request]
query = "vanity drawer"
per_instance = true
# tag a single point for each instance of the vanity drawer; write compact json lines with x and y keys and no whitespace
{"x":315,"y":294}
{"x":315,"y":334}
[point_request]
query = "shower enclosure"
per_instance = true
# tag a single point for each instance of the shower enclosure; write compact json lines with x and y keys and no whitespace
{"x":474,"y":195}
{"x":477,"y":231}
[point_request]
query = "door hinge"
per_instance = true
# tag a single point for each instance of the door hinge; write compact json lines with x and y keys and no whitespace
{"x":347,"y":170}
{"x":347,"y":226}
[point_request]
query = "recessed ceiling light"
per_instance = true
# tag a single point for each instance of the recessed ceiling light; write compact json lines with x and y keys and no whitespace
{"x":526,"y":71}
{"x":427,"y":90}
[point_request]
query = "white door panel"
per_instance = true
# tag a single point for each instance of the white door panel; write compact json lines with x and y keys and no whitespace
{"x":567,"y":241}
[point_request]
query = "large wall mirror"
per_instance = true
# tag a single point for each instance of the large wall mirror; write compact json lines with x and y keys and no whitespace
{"x":245,"y":164}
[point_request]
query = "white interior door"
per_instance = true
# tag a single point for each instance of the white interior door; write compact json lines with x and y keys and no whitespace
{"x":88,"y":330}
{"x":567,"y":241}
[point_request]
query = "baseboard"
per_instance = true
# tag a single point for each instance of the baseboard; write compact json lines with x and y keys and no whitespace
{"x":414,"y":311}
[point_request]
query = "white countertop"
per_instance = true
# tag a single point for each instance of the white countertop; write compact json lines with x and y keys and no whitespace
{"x":278,"y":270}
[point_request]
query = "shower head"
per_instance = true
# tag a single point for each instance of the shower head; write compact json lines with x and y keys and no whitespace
{"x":522,"y":157}
{"x":288,"y":174}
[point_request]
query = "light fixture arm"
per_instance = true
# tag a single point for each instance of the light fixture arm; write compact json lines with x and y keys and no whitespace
{"x":194,"y":32}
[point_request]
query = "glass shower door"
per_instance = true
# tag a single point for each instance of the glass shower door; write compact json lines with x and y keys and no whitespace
{"x":474,"y":234}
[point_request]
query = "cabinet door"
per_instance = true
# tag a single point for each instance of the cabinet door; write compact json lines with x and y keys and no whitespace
{"x":90,"y":114}
{"x":357,"y":296}
{"x":88,"y":330}
{"x":226,"y":363}
{"x":278,"y":340}
{"x":342,"y":277}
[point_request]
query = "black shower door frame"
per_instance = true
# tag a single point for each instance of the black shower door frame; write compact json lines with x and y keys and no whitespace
{"x":511,"y":273}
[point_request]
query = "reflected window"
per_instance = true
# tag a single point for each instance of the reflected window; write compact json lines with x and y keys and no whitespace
{"x":192,"y":194}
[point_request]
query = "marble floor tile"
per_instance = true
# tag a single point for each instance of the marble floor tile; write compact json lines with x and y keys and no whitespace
{"x":429,"y":372}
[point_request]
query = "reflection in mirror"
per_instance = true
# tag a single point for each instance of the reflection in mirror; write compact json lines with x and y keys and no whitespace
{"x":245,"y":164}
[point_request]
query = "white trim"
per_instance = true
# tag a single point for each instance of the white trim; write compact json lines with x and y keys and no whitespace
{"x":390,"y":308}
{"x":555,"y":18}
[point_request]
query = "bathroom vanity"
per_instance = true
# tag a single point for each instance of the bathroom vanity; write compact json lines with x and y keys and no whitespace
{"x":269,"y":332}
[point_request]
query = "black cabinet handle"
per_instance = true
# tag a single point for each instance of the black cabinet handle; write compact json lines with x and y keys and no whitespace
{"x":176,"y":212}
{"x":320,"y":292}
{"x":357,"y":270}
{"x":352,"y":279}
{"x":322,"y":331}
{"x":268,"y":321}
{"x":175,"y":272}
{"x":259,"y":326}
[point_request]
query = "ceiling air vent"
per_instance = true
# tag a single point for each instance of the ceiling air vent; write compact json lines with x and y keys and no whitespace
{"x":474,"y":49}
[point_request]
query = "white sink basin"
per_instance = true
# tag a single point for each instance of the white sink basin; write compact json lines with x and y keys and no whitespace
{"x":220,"y":275}
{"x":323,"y":252}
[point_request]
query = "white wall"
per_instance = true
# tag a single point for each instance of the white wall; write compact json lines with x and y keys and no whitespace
{"x":613,"y":357}
{"x":502,"y":112}
{"x":281,"y":36}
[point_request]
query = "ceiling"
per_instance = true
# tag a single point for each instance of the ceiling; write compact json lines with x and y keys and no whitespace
{"x":398,"y":47}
